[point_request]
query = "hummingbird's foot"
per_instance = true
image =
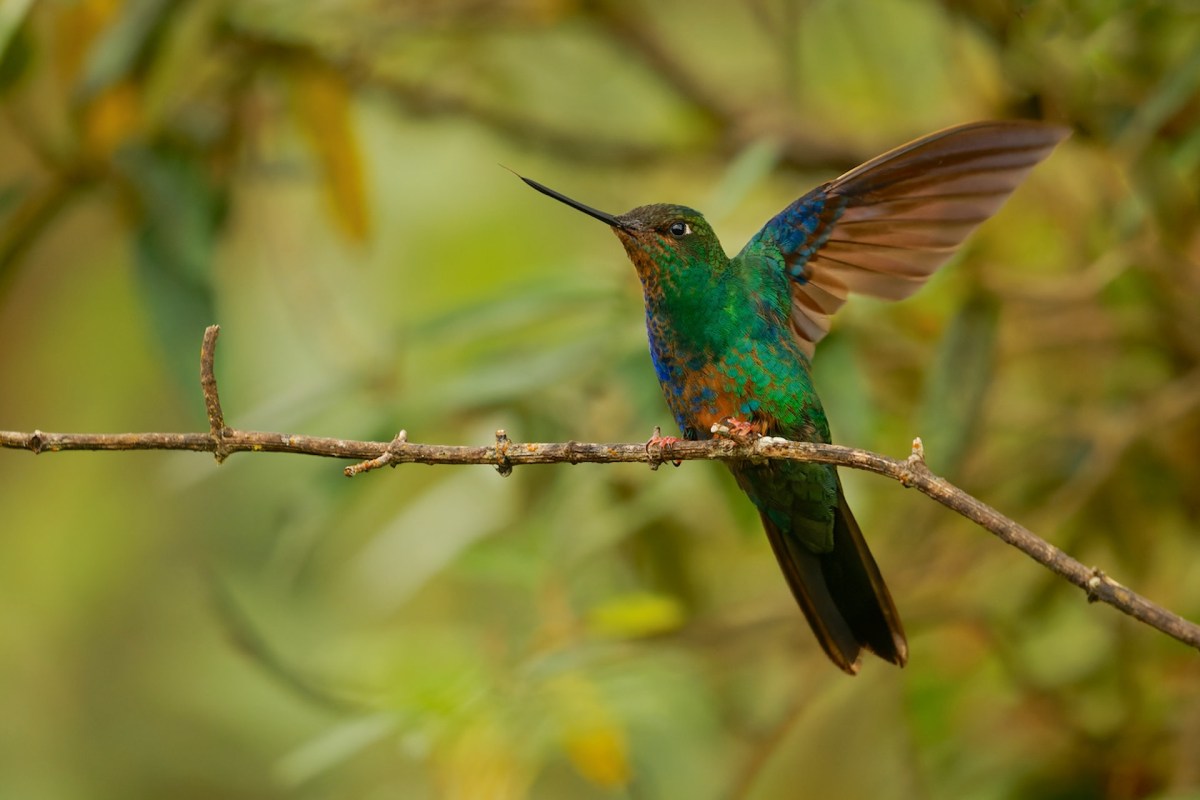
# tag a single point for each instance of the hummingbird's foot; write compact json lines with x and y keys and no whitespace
{"x":736,"y":429}
{"x":658,"y":441}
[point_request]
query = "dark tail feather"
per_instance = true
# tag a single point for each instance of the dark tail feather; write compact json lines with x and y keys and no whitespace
{"x":842,"y":594}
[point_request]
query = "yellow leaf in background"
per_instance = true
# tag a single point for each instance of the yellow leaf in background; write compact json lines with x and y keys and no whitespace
{"x":592,"y":738}
{"x":636,"y":614}
{"x":323,"y":105}
{"x":479,"y":763}
{"x":76,"y":28}
{"x":600,"y":753}
{"x":111,"y":117}
{"x":114,"y":114}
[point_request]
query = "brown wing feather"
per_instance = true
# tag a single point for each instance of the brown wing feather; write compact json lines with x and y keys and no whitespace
{"x":890,"y":223}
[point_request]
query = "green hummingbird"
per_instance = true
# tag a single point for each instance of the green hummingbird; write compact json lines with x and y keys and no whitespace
{"x":732,"y":338}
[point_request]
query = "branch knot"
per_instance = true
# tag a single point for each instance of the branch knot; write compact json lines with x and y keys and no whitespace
{"x":503,"y":465}
{"x":390,"y":456}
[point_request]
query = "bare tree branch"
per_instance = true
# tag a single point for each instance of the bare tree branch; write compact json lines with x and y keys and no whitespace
{"x":34,"y":214}
{"x":505,"y":454}
{"x":426,"y":100}
{"x":733,"y":124}
{"x":737,"y":123}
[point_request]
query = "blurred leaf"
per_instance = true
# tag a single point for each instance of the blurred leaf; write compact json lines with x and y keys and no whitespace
{"x":517,"y":373}
{"x":483,"y":761}
{"x":841,"y":385}
{"x":1178,"y":87}
{"x":958,"y":384}
{"x":122,"y":46}
{"x":600,"y":753}
{"x":32,"y":215}
{"x":748,"y":168}
{"x":171,"y":86}
{"x":1065,"y":644}
{"x":75,"y":31}
{"x":325,"y":110}
{"x":519,"y":306}
{"x":636,"y":614}
{"x":112,"y":117}
{"x":179,"y":211}
{"x":10,"y":196}
{"x":427,"y":534}
{"x":593,"y":740}
{"x":334,"y":747}
{"x":109,"y":90}
{"x":252,"y":641}
{"x":16,"y":43}
{"x":12,"y":17}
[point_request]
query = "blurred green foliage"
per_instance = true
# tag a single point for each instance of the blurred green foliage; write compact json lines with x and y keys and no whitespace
{"x":320,"y":178}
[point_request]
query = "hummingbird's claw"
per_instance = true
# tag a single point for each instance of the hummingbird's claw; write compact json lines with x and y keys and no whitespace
{"x":735,"y":429}
{"x":658,"y":441}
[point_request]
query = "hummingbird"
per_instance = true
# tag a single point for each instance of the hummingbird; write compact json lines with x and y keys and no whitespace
{"x":732,"y":339}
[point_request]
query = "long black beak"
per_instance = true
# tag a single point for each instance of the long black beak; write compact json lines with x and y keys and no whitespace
{"x":575,"y":204}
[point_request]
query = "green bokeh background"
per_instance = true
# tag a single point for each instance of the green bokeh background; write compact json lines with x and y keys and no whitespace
{"x":321,"y":179}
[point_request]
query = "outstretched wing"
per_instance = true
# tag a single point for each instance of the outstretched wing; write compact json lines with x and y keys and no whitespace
{"x":884,"y":227}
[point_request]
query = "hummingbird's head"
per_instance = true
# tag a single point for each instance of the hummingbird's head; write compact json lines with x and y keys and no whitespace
{"x":667,"y":243}
{"x":670,"y":246}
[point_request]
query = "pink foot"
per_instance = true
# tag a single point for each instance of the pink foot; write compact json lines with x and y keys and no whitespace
{"x":658,"y":441}
{"x":736,"y":429}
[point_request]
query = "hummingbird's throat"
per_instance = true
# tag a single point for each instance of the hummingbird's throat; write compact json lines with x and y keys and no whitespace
{"x":644,"y":261}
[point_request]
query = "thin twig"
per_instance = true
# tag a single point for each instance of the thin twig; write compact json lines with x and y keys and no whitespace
{"x":208,"y":386}
{"x":31,"y":218}
{"x":800,"y":148}
{"x":506,"y":454}
{"x":425,"y":99}
{"x":736,"y":122}
{"x":380,"y":461}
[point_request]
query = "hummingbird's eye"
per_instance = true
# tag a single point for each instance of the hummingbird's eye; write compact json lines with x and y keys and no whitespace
{"x":679,"y":228}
